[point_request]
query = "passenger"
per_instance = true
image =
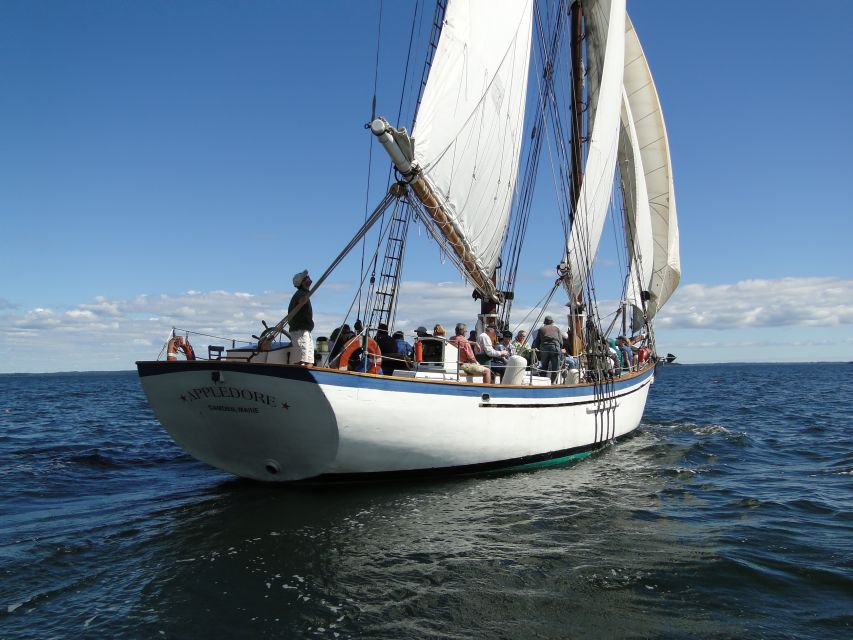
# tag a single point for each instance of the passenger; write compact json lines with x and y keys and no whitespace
{"x":358,"y":327}
{"x":439,"y":332}
{"x":391,"y":358}
{"x":628,"y":353}
{"x":616,"y":354}
{"x":386,"y":343}
{"x":506,"y":343}
{"x":569,"y":360}
{"x":472,"y":337}
{"x":302,"y":321}
{"x":520,"y":347}
{"x":333,"y":337}
{"x":402,"y":346}
{"x":549,"y":341}
{"x":345,"y":334}
{"x":615,"y":360}
{"x":422,"y":332}
{"x":468,"y":363}
{"x":489,"y":348}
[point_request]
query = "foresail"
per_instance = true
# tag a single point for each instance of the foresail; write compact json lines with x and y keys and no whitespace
{"x":468,"y":132}
{"x":605,"y":25}
{"x":657,"y":166}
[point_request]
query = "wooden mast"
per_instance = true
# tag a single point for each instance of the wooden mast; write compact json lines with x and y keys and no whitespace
{"x":576,"y":151}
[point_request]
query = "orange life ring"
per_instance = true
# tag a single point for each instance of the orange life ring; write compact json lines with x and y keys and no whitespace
{"x":373,"y":350}
{"x":177,"y":342}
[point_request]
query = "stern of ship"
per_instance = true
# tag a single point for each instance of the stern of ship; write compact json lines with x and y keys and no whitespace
{"x":261,"y":421}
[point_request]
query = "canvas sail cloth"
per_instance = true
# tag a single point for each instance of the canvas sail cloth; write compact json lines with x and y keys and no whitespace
{"x":469,"y":126}
{"x":638,"y":219}
{"x":653,"y":145}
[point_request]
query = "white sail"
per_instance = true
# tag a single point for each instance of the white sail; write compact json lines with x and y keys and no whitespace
{"x":469,"y":127}
{"x":638,"y":223}
{"x":657,"y":166}
{"x":606,"y":60}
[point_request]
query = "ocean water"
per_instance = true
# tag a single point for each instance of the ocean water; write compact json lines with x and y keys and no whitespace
{"x":728,"y":514}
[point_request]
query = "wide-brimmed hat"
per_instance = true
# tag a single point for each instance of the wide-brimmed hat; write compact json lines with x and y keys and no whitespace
{"x":299,"y":277}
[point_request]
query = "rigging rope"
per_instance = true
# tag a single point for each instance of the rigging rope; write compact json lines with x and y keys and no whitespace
{"x":370,"y":141}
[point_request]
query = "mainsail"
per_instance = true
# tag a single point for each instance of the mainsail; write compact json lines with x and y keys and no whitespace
{"x":470,"y":123}
{"x":469,"y":134}
{"x":657,"y":167}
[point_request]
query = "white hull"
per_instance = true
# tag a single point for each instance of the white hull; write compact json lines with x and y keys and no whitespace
{"x":283,"y":423}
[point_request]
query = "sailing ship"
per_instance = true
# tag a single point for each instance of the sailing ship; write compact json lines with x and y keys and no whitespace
{"x":509,"y":82}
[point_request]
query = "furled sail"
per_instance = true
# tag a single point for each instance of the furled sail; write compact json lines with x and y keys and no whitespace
{"x":469,"y":127}
{"x":657,"y":167}
{"x":605,"y":28}
{"x":638,"y":220}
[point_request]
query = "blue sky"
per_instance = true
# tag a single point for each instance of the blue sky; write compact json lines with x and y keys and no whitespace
{"x":174,"y":163}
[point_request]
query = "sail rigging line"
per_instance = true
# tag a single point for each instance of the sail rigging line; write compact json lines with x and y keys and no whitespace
{"x":406,"y":66}
{"x":540,"y":307}
{"x":363,"y":274}
{"x":370,"y":142}
{"x":379,"y":288}
{"x":391,"y":170}
{"x":544,"y":81}
{"x":581,"y":114}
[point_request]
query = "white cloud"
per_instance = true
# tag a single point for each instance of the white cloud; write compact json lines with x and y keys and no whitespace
{"x":760,"y":303}
{"x":113,"y":333}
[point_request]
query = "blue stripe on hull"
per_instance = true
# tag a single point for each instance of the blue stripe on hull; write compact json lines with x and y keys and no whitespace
{"x":390,"y":384}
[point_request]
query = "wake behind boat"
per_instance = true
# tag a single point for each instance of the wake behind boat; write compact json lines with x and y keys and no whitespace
{"x":361,"y":413}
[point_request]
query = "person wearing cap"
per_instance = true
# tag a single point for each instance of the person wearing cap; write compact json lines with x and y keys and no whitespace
{"x":489,"y":348}
{"x":302,"y":321}
{"x":549,"y":341}
{"x":421,"y":332}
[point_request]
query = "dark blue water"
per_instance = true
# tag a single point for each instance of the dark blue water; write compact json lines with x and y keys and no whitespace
{"x":728,"y":514}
